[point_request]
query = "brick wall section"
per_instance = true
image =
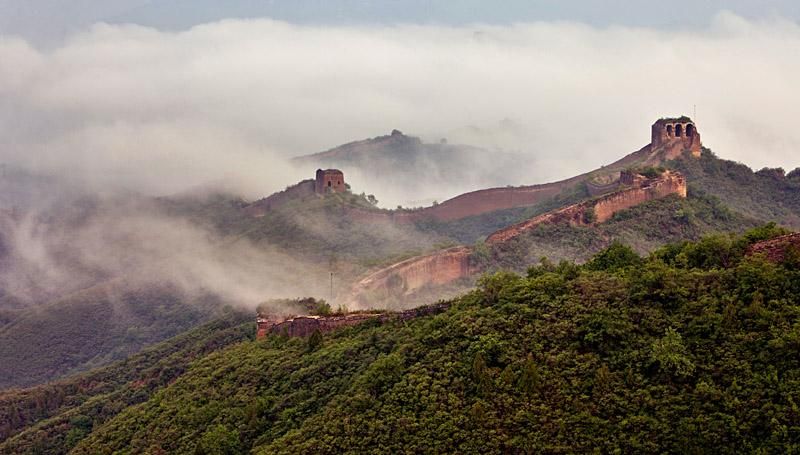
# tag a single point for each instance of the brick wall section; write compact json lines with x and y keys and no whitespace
{"x":776,"y":249}
{"x":303,"y":326}
{"x":670,"y":182}
{"x":604,"y":207}
{"x":447,"y":266}
{"x":412,"y":274}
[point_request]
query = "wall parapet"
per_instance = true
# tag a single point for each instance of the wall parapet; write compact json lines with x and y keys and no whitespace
{"x":777,"y":249}
{"x":303,"y":326}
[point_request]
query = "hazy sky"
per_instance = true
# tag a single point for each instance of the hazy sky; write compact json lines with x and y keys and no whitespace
{"x":44,"y":20}
{"x":160,"y":106}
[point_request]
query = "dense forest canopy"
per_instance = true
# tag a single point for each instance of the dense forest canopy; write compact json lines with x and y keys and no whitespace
{"x":692,"y":348}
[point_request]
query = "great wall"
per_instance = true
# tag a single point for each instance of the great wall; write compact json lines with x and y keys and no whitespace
{"x":405,"y":278}
{"x":779,"y":248}
{"x":633,"y":189}
{"x":302,"y":326}
{"x":670,"y":138}
{"x":615,"y":187}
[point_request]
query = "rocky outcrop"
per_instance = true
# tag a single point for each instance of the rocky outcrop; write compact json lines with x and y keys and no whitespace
{"x":603,"y":208}
{"x":777,"y":249}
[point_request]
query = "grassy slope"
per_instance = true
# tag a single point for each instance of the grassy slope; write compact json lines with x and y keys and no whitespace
{"x":52,"y":417}
{"x":673,"y":354}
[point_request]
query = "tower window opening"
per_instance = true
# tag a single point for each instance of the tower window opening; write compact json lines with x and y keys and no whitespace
{"x":669,"y":130}
{"x":678,"y":130}
{"x":689,"y":130}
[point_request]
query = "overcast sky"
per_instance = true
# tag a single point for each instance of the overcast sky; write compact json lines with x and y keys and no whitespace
{"x":168,"y":103}
{"x":45,"y":21}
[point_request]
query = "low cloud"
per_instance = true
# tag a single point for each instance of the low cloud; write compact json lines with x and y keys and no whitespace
{"x":158,"y":112}
{"x":127,"y":242}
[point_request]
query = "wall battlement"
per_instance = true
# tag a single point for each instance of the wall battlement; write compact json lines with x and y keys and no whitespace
{"x":777,"y":249}
{"x":675,"y":136}
{"x":329,"y":181}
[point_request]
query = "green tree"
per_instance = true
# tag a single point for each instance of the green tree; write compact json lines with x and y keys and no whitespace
{"x":219,"y":440}
{"x":616,"y":256}
{"x":670,"y":353}
{"x":529,"y":379}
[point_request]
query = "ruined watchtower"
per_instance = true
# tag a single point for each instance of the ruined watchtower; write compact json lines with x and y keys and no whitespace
{"x":329,"y":181}
{"x":675,"y":136}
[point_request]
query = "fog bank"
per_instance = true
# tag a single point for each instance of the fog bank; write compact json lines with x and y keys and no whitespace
{"x":158,"y":112}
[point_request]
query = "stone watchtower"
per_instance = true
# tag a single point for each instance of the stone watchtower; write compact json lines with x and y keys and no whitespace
{"x":675,"y":136}
{"x":329,"y":181}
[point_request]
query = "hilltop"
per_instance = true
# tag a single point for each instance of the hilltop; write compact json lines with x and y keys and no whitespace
{"x":398,"y":165}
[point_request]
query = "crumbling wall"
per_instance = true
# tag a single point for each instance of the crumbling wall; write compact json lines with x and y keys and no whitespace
{"x":669,"y":183}
{"x":329,"y":181}
{"x":776,"y":249}
{"x":302,"y":326}
{"x":574,"y":215}
{"x":603,"y":208}
{"x":405,"y":277}
{"x":447,"y":266}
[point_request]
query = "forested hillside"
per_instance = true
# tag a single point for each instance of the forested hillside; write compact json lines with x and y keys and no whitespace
{"x":690,"y":349}
{"x":133,"y":274}
{"x":55,"y":416}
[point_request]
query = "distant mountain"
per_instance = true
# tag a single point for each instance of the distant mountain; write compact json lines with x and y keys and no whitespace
{"x":385,"y":164}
